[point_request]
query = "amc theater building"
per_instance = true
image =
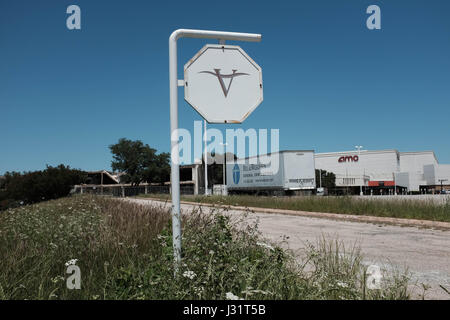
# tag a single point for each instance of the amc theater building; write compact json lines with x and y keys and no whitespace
{"x":385,"y":171}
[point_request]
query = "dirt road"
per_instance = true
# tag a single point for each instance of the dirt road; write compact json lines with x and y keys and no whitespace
{"x":426,"y":252}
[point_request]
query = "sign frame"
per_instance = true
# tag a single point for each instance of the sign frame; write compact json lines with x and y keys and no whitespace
{"x":220,"y":82}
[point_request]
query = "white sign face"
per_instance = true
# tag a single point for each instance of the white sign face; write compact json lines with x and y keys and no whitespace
{"x":223,"y":84}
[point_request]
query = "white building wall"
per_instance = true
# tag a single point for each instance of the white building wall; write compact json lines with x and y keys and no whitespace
{"x":351,"y":181}
{"x":378,"y":165}
{"x":443,"y":172}
{"x":416,"y":180}
{"x":429,"y":174}
{"x":402,"y":179}
{"x":414,"y":162}
{"x":417,"y":168}
{"x":434,"y":173}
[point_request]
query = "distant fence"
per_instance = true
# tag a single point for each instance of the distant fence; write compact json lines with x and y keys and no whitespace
{"x":127,"y":190}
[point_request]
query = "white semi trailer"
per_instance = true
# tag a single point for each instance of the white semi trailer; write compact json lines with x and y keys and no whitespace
{"x":284,"y":172}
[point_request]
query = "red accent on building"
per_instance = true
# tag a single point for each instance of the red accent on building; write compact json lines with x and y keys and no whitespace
{"x":381,"y":183}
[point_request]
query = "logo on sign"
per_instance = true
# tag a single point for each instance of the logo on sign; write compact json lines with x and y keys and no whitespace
{"x":220,"y":77}
{"x":348,"y":159}
{"x":236,"y":174}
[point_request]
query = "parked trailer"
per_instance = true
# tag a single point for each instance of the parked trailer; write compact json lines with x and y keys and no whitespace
{"x":280,"y":173}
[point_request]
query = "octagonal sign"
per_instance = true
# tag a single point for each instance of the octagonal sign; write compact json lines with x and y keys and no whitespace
{"x":223,"y":84}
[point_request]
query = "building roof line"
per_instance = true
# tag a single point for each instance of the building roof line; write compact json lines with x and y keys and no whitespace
{"x":356,"y":151}
{"x":421,"y":152}
{"x":105,"y":172}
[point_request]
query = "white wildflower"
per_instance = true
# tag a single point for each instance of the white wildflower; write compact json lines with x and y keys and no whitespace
{"x":265,"y":245}
{"x":211,"y":252}
{"x":342,"y":284}
{"x":231,"y":296}
{"x":199,"y":290}
{"x":189,"y":274}
{"x":71,"y":262}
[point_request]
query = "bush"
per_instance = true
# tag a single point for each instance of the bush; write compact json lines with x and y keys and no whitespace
{"x":32,"y":187}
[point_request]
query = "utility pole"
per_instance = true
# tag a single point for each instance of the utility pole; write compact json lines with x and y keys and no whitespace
{"x":320,"y":177}
{"x":395,"y":186}
{"x":224,"y":169}
{"x":224,"y":162}
{"x":362,"y":178}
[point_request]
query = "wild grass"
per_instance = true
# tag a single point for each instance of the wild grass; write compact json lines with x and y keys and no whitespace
{"x":408,"y":209}
{"x":124,"y":251}
{"x":103,"y":234}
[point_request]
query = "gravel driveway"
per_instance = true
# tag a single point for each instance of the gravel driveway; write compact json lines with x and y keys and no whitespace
{"x":426,"y":252}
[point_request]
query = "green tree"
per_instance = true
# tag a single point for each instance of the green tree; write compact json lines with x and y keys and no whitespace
{"x":139,"y":162}
{"x":2,"y":182}
{"x":157,"y":168}
{"x":328,"y":179}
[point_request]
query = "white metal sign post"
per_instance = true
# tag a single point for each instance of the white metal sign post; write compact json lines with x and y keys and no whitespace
{"x":173,"y":78}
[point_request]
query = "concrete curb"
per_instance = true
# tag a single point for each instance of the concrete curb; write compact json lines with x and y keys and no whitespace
{"x":331,"y":216}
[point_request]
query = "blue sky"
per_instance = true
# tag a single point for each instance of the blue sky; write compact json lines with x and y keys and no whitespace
{"x":329,"y":82}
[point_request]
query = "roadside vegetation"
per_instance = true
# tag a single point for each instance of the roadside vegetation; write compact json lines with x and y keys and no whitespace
{"x":124,"y":251}
{"x":17,"y":188}
{"x":423,"y":210}
{"x":137,"y":162}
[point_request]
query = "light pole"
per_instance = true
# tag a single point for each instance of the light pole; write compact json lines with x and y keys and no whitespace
{"x":320,"y":177}
{"x":362,"y":180}
{"x":224,"y":163}
{"x":174,"y":134}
